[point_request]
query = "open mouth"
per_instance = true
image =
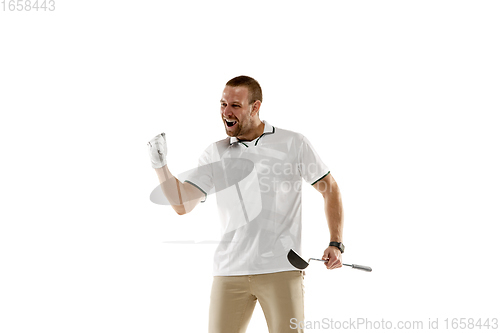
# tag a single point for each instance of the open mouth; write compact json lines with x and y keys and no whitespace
{"x":230,"y":123}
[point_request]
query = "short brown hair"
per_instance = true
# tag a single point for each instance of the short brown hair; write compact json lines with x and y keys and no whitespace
{"x":254,"y":90}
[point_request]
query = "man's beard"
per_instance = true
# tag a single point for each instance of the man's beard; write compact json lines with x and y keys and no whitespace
{"x":234,"y":131}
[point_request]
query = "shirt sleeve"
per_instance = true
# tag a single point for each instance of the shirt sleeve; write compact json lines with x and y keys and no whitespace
{"x":311,"y":167}
{"x":202,"y":176}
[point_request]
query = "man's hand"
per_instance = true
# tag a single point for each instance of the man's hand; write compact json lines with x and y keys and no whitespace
{"x":334,"y":257}
{"x":158,"y":151}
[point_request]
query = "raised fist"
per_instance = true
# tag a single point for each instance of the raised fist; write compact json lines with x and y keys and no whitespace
{"x":158,"y":151}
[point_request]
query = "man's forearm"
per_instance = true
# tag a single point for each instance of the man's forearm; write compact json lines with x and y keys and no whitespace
{"x":181,"y":196}
{"x":334,"y":214}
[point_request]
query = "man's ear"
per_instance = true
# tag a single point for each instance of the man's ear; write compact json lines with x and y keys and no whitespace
{"x":255,"y":107}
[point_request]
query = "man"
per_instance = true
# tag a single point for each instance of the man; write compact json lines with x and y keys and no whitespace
{"x":257,"y":174}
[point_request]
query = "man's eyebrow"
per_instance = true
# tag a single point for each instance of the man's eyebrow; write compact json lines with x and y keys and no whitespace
{"x":234,"y":102}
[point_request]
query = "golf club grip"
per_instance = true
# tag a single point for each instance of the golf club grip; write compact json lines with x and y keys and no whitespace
{"x":363,"y":268}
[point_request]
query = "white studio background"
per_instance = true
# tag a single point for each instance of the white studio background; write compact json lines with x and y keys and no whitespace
{"x":399,"y":98}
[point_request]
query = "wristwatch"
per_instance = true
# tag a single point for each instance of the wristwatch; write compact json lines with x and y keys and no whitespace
{"x":338,"y":245}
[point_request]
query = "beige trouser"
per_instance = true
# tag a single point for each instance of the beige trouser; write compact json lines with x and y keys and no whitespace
{"x":233,"y":299}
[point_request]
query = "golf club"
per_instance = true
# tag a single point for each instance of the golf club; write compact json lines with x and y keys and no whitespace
{"x":300,"y":263}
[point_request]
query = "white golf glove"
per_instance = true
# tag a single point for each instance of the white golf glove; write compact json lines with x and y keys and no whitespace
{"x":158,"y":151}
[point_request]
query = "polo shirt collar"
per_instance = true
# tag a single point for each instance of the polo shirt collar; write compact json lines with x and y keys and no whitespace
{"x":268,"y":129}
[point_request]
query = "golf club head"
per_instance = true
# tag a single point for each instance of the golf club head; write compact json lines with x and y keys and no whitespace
{"x":296,"y":260}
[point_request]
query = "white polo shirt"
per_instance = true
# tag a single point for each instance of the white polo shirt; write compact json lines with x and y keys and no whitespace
{"x":258,"y":186}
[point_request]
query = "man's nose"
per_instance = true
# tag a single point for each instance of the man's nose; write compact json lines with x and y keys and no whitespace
{"x":227,"y":112}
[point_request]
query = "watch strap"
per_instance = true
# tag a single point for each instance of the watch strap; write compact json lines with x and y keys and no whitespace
{"x":338,"y":245}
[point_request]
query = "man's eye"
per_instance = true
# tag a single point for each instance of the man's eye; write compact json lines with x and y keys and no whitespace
{"x":235,"y":106}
